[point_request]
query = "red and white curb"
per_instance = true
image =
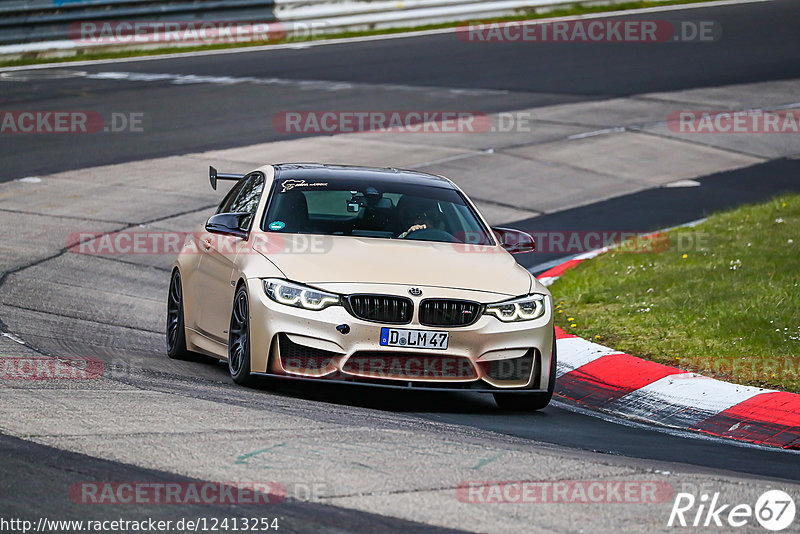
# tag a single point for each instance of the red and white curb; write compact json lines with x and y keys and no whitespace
{"x":608,"y":380}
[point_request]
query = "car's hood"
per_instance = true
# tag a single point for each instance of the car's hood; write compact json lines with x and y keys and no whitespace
{"x":338,"y":259}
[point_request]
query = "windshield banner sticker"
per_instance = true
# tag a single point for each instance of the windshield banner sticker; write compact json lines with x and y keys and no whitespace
{"x":288,"y":185}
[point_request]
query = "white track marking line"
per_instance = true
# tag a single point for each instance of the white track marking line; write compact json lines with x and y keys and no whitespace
{"x":12,"y":337}
{"x":682,"y":183}
{"x":617,"y":129}
{"x":303,"y":85}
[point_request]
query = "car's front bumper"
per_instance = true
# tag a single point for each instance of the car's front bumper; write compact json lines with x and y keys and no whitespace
{"x":489,"y":355}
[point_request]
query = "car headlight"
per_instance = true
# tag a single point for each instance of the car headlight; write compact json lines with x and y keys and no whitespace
{"x":291,"y":294}
{"x":518,"y":309}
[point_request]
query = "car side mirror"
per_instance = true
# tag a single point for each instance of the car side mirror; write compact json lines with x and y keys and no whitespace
{"x":514,"y":241}
{"x":234,"y":224}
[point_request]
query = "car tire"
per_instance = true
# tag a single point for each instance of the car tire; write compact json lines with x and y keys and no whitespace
{"x":175,"y":331}
{"x":530,"y":402}
{"x":239,"y":339}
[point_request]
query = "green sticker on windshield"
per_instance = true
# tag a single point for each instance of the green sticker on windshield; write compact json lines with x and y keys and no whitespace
{"x":277,"y":225}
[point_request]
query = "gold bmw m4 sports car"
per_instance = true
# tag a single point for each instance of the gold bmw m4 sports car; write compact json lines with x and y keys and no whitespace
{"x":363,"y":275}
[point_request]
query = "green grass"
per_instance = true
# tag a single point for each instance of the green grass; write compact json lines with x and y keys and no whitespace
{"x":81,"y":55}
{"x":722,"y":299}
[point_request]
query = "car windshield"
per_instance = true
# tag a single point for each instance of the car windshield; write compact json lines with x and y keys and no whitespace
{"x":388,"y":210}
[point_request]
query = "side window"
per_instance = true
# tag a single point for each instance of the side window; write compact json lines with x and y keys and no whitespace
{"x":246,"y":198}
{"x":225,"y":205}
{"x":249,"y":195}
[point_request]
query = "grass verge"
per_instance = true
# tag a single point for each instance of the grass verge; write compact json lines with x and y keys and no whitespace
{"x":723,"y":298}
{"x":86,"y":55}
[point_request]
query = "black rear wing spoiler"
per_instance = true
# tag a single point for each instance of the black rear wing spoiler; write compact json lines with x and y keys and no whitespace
{"x":213,"y":176}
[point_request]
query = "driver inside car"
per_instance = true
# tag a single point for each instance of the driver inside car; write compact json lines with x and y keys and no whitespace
{"x":416,"y":214}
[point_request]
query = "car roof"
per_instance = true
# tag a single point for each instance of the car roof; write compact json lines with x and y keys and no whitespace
{"x":352,"y":173}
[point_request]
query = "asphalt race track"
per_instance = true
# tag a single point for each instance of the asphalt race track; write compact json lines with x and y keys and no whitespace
{"x":138,"y":422}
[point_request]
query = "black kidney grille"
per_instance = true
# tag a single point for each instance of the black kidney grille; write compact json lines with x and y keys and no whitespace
{"x":448,"y":312}
{"x":381,"y":308}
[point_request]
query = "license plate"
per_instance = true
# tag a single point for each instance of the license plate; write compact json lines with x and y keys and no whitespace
{"x":418,"y":339}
